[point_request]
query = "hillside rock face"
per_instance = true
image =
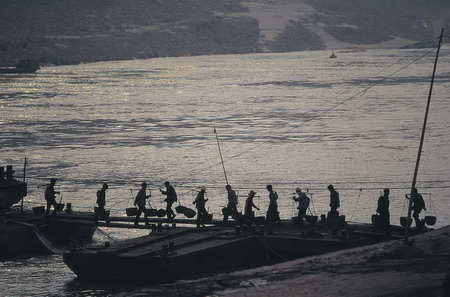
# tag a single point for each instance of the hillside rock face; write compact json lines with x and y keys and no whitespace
{"x":70,"y":32}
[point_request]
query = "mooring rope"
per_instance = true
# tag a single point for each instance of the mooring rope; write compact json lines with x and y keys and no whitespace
{"x":356,"y":206}
{"x":108,"y":235}
{"x":268,"y":248}
{"x":314,"y":117}
{"x":42,"y":238}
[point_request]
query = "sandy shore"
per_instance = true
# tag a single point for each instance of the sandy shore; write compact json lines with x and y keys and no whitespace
{"x":275,"y":16}
{"x":385,"y":269}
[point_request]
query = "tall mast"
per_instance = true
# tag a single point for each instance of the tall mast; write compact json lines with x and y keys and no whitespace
{"x":413,"y":185}
{"x":220,"y":153}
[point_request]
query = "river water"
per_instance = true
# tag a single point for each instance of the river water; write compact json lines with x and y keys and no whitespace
{"x":291,"y":120}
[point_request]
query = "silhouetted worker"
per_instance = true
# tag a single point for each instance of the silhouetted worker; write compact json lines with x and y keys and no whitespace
{"x":333,"y":214}
{"x":272,"y":211}
{"x":200,"y":202}
{"x":418,"y":205}
{"x":231,"y":209}
{"x":50,"y":197}
{"x":140,"y":200}
{"x":334,"y":201}
{"x":303,"y":204}
{"x":171,"y":198}
{"x":383,"y":209}
{"x":248,"y":210}
{"x":101,"y":202}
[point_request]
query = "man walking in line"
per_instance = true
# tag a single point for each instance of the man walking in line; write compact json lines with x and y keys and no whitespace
{"x":171,"y":198}
{"x":231,"y":209}
{"x":140,"y":200}
{"x":50,"y":197}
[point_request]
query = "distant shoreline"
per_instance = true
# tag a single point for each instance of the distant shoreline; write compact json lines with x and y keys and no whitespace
{"x":70,"y":33}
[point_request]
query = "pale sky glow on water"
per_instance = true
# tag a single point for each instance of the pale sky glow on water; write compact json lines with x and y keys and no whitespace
{"x":291,"y":120}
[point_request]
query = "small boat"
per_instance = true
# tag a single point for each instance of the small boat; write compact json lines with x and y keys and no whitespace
{"x":333,"y":55}
{"x":28,"y":231}
{"x":24,"y":66}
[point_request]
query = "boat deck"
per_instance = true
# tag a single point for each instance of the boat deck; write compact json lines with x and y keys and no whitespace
{"x":172,"y":252}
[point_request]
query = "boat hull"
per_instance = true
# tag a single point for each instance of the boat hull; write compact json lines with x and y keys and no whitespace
{"x":157,"y":268}
{"x":194,"y":257}
{"x":186,"y":253}
{"x":29,"y":233}
{"x":24,"y":66}
{"x":14,"y":70}
{"x":11,"y":192}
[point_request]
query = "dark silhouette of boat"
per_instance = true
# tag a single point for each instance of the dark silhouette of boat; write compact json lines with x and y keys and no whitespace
{"x":24,"y":66}
{"x":333,"y":55}
{"x":28,"y":231}
{"x":12,"y":190}
{"x":169,"y":254}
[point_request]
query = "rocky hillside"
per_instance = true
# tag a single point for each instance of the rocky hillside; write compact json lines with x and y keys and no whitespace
{"x":70,"y":32}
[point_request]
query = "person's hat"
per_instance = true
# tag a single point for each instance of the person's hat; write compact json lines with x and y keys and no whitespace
{"x":202,"y":188}
{"x":251,"y":193}
{"x":298,"y":190}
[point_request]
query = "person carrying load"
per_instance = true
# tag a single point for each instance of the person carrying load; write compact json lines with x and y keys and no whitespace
{"x":171,"y":198}
{"x":272,"y":212}
{"x":50,"y":197}
{"x":101,"y":202}
{"x":303,"y":204}
{"x":140,"y":199}
{"x":200,"y":202}
{"x":231,"y":208}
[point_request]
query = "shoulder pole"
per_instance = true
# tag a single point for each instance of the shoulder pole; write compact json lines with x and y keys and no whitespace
{"x":413,"y":185}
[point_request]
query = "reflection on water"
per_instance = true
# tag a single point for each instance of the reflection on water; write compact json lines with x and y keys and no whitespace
{"x":293,"y":119}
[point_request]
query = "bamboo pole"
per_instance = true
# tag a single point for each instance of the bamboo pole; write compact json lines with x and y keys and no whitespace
{"x":413,"y":184}
{"x":221,"y":158}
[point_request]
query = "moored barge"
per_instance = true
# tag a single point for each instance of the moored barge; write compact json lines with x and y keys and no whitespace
{"x":168,"y":254}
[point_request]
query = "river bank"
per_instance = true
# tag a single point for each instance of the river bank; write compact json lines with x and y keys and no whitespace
{"x":386,"y":269}
{"x":67,"y":32}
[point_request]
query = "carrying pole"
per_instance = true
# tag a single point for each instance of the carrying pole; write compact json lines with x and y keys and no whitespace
{"x":413,"y":185}
{"x":24,"y":172}
{"x":220,"y":153}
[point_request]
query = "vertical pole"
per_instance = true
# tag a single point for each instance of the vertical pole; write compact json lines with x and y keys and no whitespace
{"x":24,"y":173}
{"x":413,"y":185}
{"x":220,"y":153}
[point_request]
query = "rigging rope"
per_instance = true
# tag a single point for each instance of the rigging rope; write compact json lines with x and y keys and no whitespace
{"x":356,"y":206}
{"x":312,"y":202}
{"x":266,"y":247}
{"x":360,"y":93}
{"x":321,"y":113}
{"x":108,"y":235}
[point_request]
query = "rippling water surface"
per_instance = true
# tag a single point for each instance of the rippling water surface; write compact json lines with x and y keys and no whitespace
{"x":290,"y":120}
